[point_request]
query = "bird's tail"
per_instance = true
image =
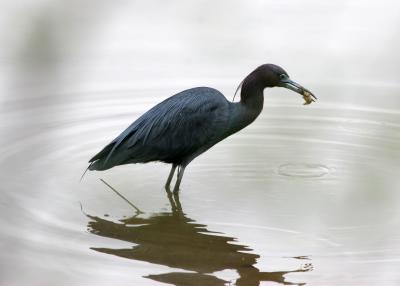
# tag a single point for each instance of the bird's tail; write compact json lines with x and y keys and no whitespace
{"x":97,"y":165}
{"x":88,"y":168}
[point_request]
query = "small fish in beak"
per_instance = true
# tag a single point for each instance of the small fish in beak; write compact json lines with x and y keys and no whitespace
{"x":308,"y":97}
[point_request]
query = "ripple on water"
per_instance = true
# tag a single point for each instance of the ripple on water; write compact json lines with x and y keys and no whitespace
{"x":303,"y":170}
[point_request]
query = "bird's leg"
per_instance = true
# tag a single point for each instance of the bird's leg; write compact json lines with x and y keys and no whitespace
{"x":174,"y":201}
{"x":177,"y":202}
{"x":181,"y":170}
{"x":170,"y":176}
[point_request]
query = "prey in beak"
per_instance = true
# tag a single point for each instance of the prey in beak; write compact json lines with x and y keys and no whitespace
{"x":286,"y":82}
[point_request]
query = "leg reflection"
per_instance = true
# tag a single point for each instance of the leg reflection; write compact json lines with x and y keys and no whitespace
{"x":172,"y":239}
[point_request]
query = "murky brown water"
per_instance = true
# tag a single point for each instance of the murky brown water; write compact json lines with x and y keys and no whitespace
{"x":305,"y":195}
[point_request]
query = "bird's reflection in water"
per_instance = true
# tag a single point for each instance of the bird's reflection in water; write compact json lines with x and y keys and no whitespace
{"x":172,"y":239}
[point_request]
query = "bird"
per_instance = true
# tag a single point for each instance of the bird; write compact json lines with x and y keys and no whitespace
{"x":185,"y":125}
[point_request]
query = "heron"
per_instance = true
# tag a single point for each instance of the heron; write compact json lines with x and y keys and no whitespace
{"x":187,"y":124}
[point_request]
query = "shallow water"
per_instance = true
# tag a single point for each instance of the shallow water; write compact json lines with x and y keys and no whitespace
{"x":305,"y":195}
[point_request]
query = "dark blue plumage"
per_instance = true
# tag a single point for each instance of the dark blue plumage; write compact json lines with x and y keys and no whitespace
{"x":186,"y":124}
{"x":171,"y":132}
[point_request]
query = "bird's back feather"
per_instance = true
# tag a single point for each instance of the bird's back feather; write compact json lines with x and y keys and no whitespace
{"x":175,"y":130}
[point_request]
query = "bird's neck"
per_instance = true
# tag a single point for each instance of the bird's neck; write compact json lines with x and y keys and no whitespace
{"x":250,"y":105}
{"x":252,"y":95}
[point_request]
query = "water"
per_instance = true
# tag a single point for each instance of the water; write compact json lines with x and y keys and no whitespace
{"x":305,"y":195}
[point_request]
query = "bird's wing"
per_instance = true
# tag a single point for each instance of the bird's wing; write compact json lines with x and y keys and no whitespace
{"x":177,"y":126}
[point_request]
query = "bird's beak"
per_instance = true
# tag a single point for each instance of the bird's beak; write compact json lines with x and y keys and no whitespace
{"x":290,"y":84}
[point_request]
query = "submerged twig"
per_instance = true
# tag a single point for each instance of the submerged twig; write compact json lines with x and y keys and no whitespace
{"x":121,"y":196}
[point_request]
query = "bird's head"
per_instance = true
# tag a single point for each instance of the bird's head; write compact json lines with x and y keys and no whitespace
{"x":270,"y":75}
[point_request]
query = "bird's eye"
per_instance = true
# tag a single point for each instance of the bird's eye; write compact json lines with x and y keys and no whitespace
{"x":282,"y":76}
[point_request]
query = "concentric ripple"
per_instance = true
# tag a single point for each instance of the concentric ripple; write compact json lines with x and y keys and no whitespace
{"x":303,"y":170}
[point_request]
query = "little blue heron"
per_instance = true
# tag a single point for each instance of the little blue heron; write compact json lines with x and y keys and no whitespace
{"x":187,"y":124}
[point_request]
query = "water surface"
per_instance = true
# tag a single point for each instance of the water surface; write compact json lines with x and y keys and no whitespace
{"x":306,"y":195}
